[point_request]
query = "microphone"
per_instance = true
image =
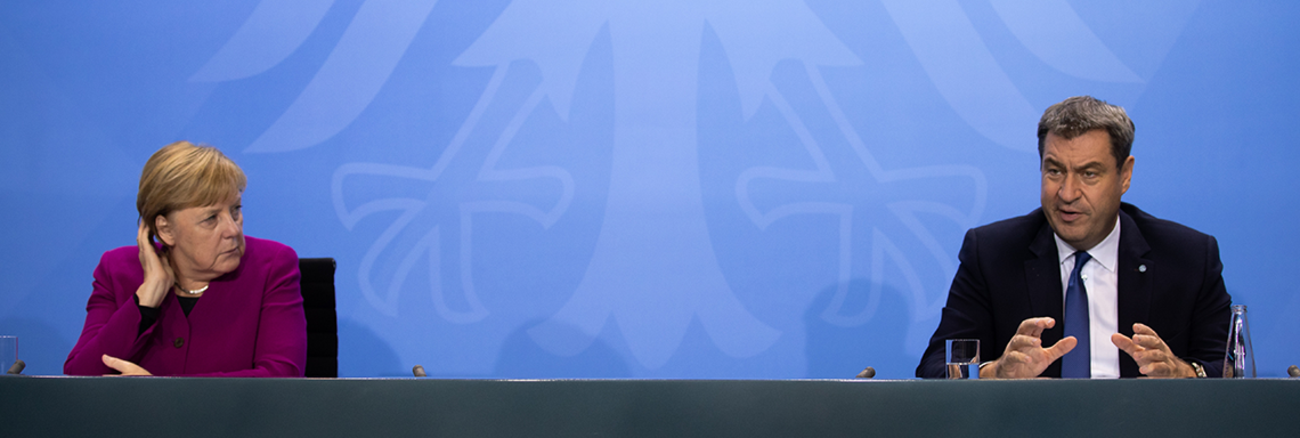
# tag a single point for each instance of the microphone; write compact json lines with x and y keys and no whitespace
{"x":1293,"y":370}
{"x":867,"y":373}
{"x":418,"y":370}
{"x":18,"y":366}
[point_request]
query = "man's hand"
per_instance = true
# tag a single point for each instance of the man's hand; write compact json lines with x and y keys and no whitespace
{"x":1025,"y":356}
{"x":1152,"y":355}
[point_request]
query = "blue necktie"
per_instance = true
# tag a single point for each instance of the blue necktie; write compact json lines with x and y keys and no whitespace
{"x":1078,"y":362}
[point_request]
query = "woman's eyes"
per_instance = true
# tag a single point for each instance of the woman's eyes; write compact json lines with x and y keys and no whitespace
{"x":235,"y":211}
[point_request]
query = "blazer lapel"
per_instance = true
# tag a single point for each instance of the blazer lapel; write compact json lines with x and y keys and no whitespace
{"x":1046,"y":298}
{"x":219,"y":301}
{"x":1134,"y":285}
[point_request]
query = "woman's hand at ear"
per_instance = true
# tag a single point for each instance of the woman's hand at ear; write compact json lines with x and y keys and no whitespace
{"x":158,"y":276}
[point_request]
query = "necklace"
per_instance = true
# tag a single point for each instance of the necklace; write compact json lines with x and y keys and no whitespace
{"x":193,"y":292}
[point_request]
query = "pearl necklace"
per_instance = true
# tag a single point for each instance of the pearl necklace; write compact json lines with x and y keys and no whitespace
{"x":193,"y":292}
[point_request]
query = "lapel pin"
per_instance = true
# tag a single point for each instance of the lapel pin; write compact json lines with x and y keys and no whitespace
{"x":1142,"y":268}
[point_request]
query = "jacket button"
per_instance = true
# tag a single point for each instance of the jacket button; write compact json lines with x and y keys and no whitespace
{"x":179,"y":342}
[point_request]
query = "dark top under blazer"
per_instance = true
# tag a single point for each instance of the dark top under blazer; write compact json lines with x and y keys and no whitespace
{"x":1010,"y":271}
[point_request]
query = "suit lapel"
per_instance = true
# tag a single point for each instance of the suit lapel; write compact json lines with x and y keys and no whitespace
{"x":1043,"y":275}
{"x":1046,"y":298}
{"x":1134,"y":285}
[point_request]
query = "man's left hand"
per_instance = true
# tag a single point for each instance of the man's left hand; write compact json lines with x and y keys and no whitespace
{"x":1151,"y":354}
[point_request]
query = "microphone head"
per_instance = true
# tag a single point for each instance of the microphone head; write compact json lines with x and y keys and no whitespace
{"x":418,"y":371}
{"x":867,"y":373}
{"x":17,"y":367}
{"x":1293,"y":371}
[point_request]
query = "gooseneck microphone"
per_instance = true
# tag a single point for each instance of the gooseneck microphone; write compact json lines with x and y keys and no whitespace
{"x":18,"y":366}
{"x":418,"y":370}
{"x":867,"y":373}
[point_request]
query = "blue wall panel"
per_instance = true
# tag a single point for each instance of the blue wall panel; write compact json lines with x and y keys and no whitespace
{"x":684,"y":189}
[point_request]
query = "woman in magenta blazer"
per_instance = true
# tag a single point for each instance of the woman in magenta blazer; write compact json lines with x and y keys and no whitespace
{"x":206,"y":300}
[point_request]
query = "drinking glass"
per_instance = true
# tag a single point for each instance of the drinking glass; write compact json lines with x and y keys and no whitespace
{"x":1239,"y":362}
{"x":963,"y":358}
{"x":8,"y":352}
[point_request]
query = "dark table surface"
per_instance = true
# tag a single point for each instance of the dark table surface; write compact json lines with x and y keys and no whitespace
{"x":108,"y":406}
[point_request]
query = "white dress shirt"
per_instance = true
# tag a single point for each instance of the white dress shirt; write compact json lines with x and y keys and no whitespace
{"x":1101,"y":279}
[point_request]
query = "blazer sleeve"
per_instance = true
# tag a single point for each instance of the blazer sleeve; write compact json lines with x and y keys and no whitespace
{"x":1210,"y":316}
{"x":112,"y":321}
{"x":966,"y":315}
{"x":281,"y":349}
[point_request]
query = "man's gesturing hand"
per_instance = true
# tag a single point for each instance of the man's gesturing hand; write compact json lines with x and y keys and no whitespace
{"x":1025,"y":356}
{"x":1151,"y":354}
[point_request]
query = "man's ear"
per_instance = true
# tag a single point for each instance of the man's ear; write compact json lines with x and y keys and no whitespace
{"x":1126,"y":174}
{"x":165,"y":232}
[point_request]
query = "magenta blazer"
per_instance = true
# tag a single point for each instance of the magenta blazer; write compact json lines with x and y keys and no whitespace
{"x":249,"y":323}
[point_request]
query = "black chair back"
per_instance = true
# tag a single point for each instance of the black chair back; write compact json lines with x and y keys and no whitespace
{"x":322,"y":320}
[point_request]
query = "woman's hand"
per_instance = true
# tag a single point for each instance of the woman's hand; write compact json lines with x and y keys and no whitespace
{"x":158,"y":276}
{"x":124,"y":366}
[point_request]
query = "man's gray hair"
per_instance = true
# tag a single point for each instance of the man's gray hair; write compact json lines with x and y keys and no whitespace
{"x":1078,"y":115}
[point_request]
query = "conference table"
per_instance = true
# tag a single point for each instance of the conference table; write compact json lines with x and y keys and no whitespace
{"x":162,"y":406}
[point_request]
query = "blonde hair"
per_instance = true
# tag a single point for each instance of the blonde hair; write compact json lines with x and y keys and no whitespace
{"x":182,"y":175}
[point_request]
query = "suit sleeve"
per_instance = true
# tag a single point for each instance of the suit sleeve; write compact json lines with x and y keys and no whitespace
{"x":112,"y":324}
{"x":966,"y":315}
{"x":281,"y":349}
{"x":1210,"y":316}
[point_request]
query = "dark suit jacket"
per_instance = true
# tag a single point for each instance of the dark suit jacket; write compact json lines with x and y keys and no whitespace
{"x":1170,"y":278}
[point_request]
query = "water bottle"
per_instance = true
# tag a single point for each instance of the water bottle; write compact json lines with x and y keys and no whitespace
{"x":1239,"y":362}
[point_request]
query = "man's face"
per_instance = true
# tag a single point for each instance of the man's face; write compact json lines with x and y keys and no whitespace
{"x":1082,"y":185}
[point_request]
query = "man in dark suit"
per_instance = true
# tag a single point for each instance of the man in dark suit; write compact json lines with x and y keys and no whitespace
{"x":1149,"y":288}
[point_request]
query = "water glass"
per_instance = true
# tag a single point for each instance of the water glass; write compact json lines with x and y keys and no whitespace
{"x":963,"y":358}
{"x":1239,"y":362}
{"x":8,"y":352}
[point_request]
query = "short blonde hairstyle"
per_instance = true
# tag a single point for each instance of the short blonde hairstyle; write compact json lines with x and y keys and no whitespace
{"x":182,"y":175}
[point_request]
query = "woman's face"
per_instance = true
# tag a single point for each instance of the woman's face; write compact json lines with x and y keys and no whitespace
{"x":205,"y":242}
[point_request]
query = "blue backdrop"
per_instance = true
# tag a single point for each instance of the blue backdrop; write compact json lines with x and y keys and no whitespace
{"x":588,"y":188}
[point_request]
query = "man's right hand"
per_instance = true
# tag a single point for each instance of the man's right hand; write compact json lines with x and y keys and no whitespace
{"x":1025,"y":356}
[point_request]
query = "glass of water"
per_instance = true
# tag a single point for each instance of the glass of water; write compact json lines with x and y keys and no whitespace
{"x":963,"y":358}
{"x":8,"y":352}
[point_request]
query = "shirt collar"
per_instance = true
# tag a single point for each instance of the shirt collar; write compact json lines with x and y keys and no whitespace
{"x":1105,"y":253}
